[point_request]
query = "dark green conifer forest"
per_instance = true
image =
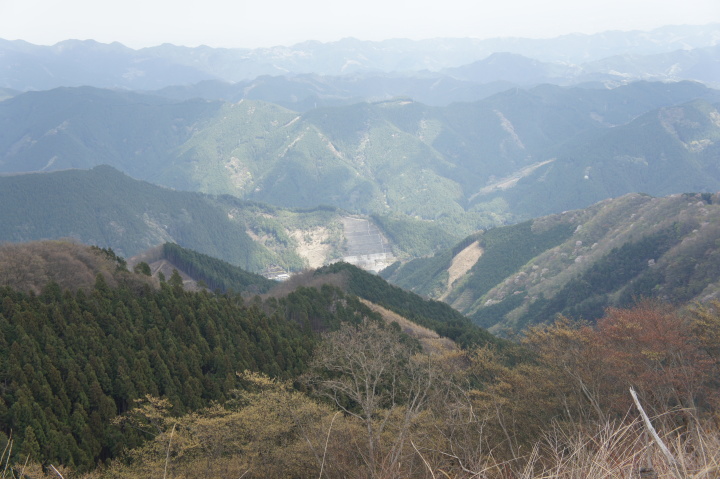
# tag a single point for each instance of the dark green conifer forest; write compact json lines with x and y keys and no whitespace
{"x":74,"y":361}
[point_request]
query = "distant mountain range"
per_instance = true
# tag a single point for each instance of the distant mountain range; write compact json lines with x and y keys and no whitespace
{"x":441,"y":172}
{"x":667,"y":53}
{"x":466,"y":83}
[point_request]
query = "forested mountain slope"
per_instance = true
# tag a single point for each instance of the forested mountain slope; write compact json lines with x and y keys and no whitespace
{"x":77,"y":353}
{"x":104,"y":207}
{"x":73,"y":361}
{"x":442,"y":172}
{"x":30,"y":267}
{"x":129,"y":378}
{"x":202,"y":271}
{"x":432,"y":314}
{"x":670,"y":150}
{"x":579,"y":262}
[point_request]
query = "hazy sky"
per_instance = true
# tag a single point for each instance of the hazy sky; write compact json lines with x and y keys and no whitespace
{"x":250,"y":24}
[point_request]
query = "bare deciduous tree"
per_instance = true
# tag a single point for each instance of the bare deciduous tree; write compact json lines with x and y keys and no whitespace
{"x":375,"y":377}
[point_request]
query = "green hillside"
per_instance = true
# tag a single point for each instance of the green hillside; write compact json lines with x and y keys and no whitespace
{"x":213,"y":273}
{"x":580,"y":262}
{"x":431,"y":175}
{"x":434,"y":315}
{"x":104,"y":207}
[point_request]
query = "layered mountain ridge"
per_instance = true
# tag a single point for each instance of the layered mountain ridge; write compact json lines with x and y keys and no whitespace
{"x":441,"y":171}
{"x":667,"y":52}
{"x":579,"y":262}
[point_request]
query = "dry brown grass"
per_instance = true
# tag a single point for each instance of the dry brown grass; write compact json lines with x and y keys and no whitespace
{"x":431,"y":342}
{"x":611,"y":450}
